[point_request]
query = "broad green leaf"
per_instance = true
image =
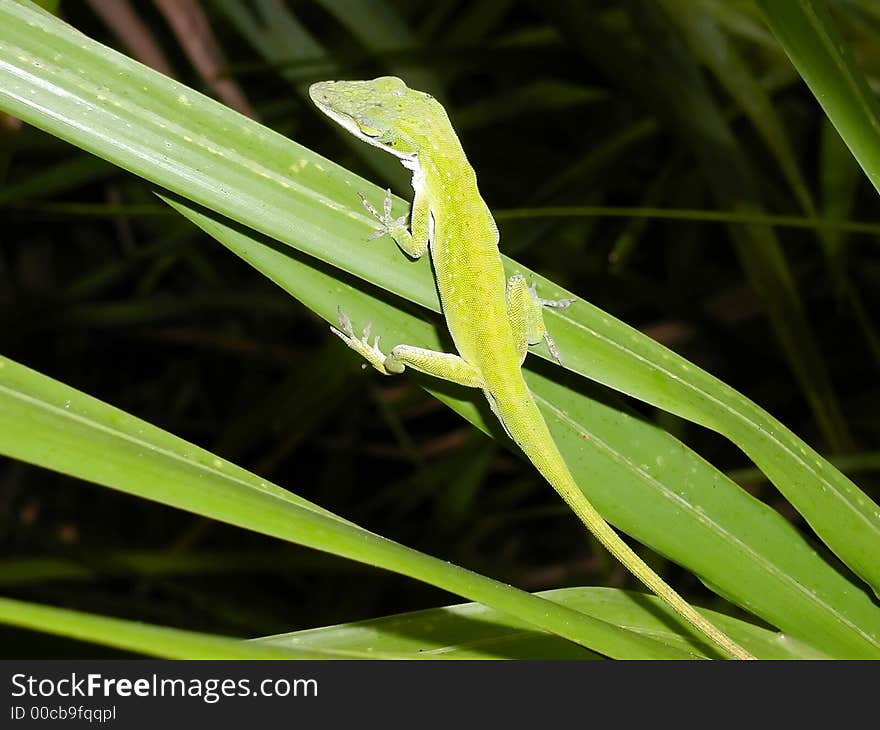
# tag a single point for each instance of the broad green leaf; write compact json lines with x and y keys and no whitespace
{"x":464,"y":631}
{"x":159,"y":641}
{"x":810,"y":37}
{"x":471,"y":631}
{"x":842,"y":515}
{"x":812,"y":41}
{"x":668,"y":80}
{"x":59,"y":80}
{"x":859,"y":463}
{"x":641,"y":478}
{"x":52,"y":425}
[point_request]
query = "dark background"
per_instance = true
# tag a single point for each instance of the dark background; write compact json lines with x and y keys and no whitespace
{"x":580,"y":103}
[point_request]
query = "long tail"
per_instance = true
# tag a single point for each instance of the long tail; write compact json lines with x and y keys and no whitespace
{"x":527,"y":427}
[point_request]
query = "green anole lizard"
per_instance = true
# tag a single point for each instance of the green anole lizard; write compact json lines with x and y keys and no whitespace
{"x":492,"y":321}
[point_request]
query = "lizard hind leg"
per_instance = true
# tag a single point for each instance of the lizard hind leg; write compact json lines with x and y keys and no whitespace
{"x":526,"y":315}
{"x":443,"y":365}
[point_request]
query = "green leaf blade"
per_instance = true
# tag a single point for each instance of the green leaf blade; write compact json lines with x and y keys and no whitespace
{"x":639,"y":477}
{"x":158,"y":641}
{"x":49,"y":424}
{"x":471,"y":631}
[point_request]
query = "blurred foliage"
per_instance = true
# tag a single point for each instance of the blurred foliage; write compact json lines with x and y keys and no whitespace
{"x":680,"y":104}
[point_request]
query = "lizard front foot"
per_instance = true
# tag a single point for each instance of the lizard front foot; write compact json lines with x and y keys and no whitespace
{"x":388,"y":225}
{"x":387,"y":365}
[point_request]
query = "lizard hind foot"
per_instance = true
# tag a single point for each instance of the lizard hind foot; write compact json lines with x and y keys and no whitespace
{"x":553,"y":303}
{"x":362,"y":345}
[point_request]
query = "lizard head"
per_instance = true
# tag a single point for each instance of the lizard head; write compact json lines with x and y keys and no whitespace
{"x":383,"y":112}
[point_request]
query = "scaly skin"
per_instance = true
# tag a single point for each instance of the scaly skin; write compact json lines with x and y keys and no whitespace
{"x":491,"y":321}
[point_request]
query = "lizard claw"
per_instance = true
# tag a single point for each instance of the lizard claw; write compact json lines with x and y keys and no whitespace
{"x":369,"y":206}
{"x":551,"y":346}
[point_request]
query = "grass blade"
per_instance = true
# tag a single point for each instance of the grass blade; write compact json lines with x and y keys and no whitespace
{"x":158,"y":641}
{"x":810,"y":37}
{"x":77,"y":89}
{"x":471,"y":631}
{"x":49,"y":424}
{"x":639,"y":477}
